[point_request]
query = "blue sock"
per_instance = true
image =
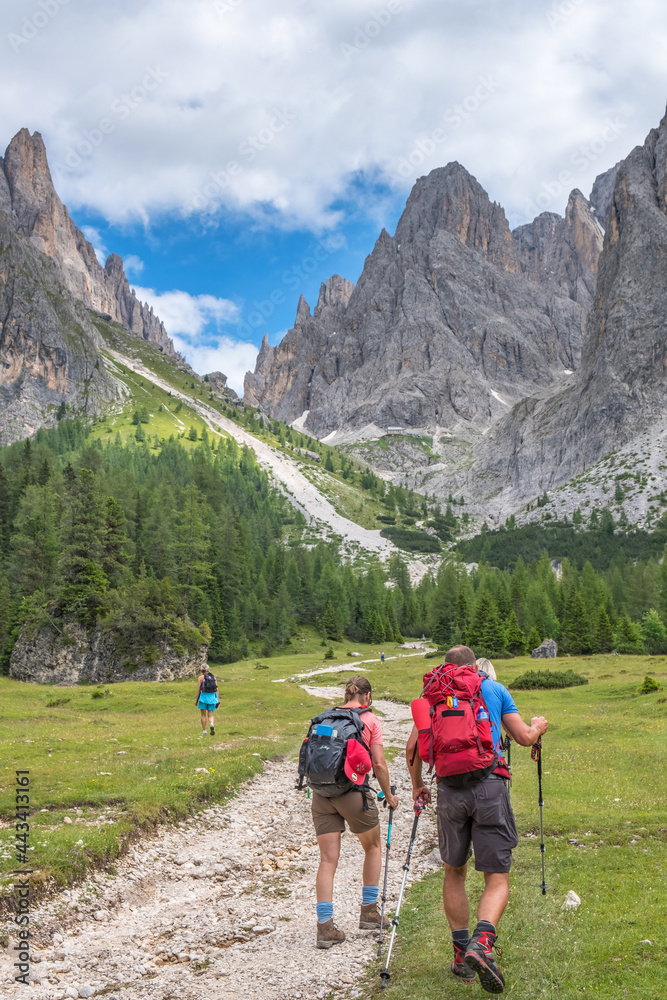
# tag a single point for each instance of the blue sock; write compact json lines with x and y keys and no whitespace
{"x":369,"y":894}
{"x":461,"y":937}
{"x":324,"y":912}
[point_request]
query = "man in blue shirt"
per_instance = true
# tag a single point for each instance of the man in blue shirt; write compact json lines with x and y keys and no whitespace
{"x":479,"y":813}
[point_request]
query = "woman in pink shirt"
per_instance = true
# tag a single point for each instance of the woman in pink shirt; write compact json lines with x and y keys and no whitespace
{"x":330,"y":816}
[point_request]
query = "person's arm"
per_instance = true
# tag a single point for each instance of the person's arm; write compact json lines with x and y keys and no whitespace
{"x":201,"y":678}
{"x":520,"y":732}
{"x":382,"y":774}
{"x":414,"y":763}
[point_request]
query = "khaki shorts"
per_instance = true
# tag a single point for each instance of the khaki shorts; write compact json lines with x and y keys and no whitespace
{"x":482,"y":814}
{"x":330,"y":815}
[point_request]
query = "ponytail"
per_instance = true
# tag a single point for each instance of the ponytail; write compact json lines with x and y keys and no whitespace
{"x":357,"y":687}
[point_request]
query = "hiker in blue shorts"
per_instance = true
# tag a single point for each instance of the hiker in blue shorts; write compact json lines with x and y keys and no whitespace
{"x":207,"y":699}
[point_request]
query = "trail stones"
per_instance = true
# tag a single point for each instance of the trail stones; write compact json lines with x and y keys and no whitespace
{"x":548,"y":650}
{"x":572,"y":901}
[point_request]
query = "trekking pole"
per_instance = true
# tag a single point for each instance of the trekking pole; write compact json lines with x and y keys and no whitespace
{"x":536,"y":755}
{"x":419,"y":808}
{"x":386,"y":872}
{"x":507,"y":748}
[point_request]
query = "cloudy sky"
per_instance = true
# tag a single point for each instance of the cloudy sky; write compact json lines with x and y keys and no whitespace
{"x":237,"y":152}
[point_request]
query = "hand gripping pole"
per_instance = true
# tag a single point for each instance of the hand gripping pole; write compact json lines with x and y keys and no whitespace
{"x":419,"y":808}
{"x":536,"y":755}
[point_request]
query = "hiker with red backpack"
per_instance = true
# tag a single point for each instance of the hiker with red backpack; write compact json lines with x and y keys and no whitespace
{"x":342,"y":746}
{"x":457,"y":732}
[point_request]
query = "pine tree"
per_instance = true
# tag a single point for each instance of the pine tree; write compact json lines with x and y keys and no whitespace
{"x":83,"y":531}
{"x":35,"y":548}
{"x":627,"y":638}
{"x":486,"y":634}
{"x":533,"y":640}
{"x":654,"y":632}
{"x":604,"y":635}
{"x":191,"y":544}
{"x":515,"y":638}
{"x":114,"y":558}
{"x":442,"y":633}
{"x":576,"y":632}
{"x":4,"y":511}
{"x":462,"y":613}
{"x":328,"y":622}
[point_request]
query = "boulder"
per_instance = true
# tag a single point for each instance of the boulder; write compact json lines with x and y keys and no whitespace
{"x":548,"y":650}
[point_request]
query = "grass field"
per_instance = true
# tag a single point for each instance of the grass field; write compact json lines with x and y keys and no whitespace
{"x":112,"y":762}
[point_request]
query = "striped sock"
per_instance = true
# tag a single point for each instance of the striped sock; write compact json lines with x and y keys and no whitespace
{"x":324,"y":912}
{"x":369,"y":894}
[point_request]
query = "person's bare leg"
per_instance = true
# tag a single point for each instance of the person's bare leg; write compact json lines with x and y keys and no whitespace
{"x":495,"y":897}
{"x":454,"y":898}
{"x":203,"y":719}
{"x":370,"y":841}
{"x":329,"y":845}
{"x":211,"y":720}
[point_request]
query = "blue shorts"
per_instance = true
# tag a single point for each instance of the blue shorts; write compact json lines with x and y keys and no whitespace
{"x":208,"y":702}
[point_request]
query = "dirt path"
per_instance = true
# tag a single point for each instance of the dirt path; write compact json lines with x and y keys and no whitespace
{"x":302,"y":492}
{"x":222,"y":907}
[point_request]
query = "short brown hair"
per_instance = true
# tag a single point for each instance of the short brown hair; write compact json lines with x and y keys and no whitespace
{"x":461,"y":655}
{"x":357,"y":686}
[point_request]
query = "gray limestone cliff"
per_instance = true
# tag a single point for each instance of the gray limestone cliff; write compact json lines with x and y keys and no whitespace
{"x":619,"y":389}
{"x":49,"y":348}
{"x":77,"y":654}
{"x":29,"y":199}
{"x":452,"y":322}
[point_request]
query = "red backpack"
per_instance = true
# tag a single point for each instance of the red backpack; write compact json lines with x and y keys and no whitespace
{"x":454,"y":727}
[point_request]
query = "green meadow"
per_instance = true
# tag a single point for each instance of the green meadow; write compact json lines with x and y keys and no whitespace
{"x":121,"y":759}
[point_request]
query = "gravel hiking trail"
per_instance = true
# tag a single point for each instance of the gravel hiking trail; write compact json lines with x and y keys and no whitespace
{"x":297,"y":487}
{"x":223,"y":906}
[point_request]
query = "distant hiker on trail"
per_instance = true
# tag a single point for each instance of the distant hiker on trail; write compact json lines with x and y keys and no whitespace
{"x":473,"y":799}
{"x":207,"y":699}
{"x":343,"y":745}
{"x":381,"y":657}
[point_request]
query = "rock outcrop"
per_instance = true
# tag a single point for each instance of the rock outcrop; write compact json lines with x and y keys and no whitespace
{"x":619,"y":390}
{"x":601,"y":194}
{"x":30,"y":200}
{"x":47,"y":657}
{"x":547,"y":650}
{"x":452,"y":322}
{"x":218,"y":383}
{"x":49,"y":348}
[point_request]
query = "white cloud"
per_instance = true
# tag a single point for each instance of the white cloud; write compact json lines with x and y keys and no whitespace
{"x":231,"y":357}
{"x":133,"y":264}
{"x":187,"y":314}
{"x":95,"y":237}
{"x":192,"y":321}
{"x":276,"y":107}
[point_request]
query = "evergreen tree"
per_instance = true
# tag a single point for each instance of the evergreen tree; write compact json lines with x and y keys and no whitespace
{"x":628,"y":637}
{"x":486,"y":634}
{"x":604,"y":634}
{"x":83,"y":531}
{"x":654,"y":632}
{"x":576,"y":633}
{"x":4,"y":511}
{"x":114,"y":558}
{"x":191,"y":544}
{"x":35,"y":547}
{"x":329,"y":623}
{"x":515,"y":638}
{"x":533,"y":640}
{"x":442,"y":633}
{"x":461,"y":620}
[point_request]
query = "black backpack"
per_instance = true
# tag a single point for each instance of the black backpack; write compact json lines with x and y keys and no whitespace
{"x":322,"y":756}
{"x":209,"y":683}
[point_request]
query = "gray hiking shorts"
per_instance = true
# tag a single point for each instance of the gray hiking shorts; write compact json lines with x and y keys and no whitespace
{"x":482,"y":814}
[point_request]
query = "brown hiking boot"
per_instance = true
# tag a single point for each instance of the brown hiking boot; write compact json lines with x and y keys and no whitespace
{"x":369,"y":918}
{"x":328,"y":935}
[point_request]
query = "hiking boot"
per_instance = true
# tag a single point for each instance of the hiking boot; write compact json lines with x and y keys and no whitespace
{"x":369,"y":918}
{"x":212,"y":730}
{"x":328,"y":935}
{"x":479,"y":956}
{"x":460,"y":968}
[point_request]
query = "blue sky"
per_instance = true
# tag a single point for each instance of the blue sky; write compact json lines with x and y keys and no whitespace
{"x":224,"y":146}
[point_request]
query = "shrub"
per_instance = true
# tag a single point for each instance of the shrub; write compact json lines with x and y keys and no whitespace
{"x":547,"y":679}
{"x":261,"y":666}
{"x":649,"y":686}
{"x":413,"y":541}
{"x":329,"y":655}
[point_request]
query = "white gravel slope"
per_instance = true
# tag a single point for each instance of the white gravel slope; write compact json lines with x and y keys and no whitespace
{"x":223,"y":907}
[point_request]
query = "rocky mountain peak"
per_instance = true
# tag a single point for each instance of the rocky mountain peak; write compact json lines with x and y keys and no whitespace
{"x":451,"y":199}
{"x":29,"y":198}
{"x":334,"y":293}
